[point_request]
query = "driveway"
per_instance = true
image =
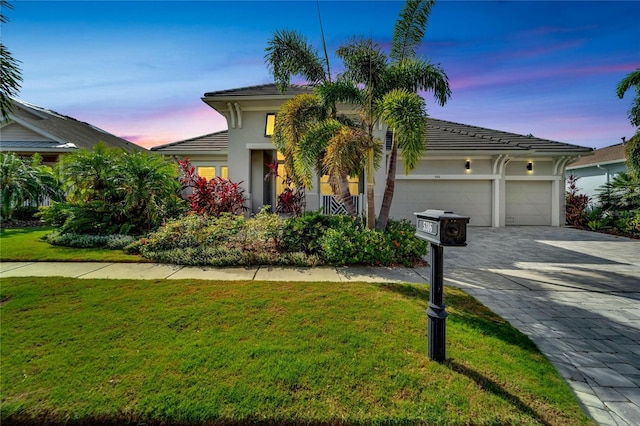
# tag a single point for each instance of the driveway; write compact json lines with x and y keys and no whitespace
{"x":576,"y":294}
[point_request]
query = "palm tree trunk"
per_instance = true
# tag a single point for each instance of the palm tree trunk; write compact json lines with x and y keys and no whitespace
{"x":385,"y":209}
{"x":371,"y":208}
{"x":345,"y":196}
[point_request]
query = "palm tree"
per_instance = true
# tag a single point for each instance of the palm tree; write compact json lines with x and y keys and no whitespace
{"x":632,"y":149}
{"x":146,"y":183}
{"x":10,"y":76}
{"x":21,"y":181}
{"x":631,"y":80}
{"x":391,"y":88}
{"x":308,"y":124}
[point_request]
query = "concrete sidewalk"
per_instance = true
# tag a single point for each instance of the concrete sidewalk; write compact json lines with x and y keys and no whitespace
{"x":149,"y":271}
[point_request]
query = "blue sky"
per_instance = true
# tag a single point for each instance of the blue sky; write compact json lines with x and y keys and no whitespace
{"x":139,"y":69}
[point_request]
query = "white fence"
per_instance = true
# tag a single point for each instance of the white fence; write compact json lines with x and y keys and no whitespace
{"x":331,"y":206}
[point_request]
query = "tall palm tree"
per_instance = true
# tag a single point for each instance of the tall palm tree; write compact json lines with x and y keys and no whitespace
{"x":632,"y":149}
{"x":631,"y":80}
{"x":391,"y":87}
{"x":307,"y":124}
{"x":10,"y":75}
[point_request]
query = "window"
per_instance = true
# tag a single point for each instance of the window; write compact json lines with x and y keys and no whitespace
{"x":207,"y":172}
{"x":224,"y":172}
{"x":269,"y":125}
{"x":325,"y":188}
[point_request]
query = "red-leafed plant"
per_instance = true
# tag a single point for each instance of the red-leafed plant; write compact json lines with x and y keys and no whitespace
{"x":211,"y":197}
{"x":292,"y":199}
{"x":576,"y":203}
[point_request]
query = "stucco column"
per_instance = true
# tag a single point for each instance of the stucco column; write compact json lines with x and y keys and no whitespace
{"x":498,"y":205}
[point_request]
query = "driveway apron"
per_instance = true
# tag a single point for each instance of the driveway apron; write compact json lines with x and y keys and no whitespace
{"x":576,"y":294}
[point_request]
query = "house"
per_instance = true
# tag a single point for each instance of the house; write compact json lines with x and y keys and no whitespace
{"x":596,"y":170}
{"x":32,"y":129}
{"x":496,"y":178}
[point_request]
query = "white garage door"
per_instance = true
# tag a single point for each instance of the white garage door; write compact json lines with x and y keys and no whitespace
{"x":528,"y":203}
{"x":467,"y":198}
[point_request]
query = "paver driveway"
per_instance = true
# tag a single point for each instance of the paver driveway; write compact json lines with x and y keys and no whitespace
{"x":576,"y":294}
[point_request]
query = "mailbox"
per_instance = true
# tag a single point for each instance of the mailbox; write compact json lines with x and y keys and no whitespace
{"x":442,"y":227}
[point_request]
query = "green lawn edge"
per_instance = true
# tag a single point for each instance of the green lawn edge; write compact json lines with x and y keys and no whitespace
{"x":26,"y":245}
{"x":212,"y":352}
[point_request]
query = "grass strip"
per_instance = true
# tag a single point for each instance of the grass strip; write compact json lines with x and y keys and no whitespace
{"x":25,"y":245}
{"x":205,"y":352}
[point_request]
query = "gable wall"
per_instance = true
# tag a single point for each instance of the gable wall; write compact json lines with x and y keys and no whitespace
{"x":16,"y":132}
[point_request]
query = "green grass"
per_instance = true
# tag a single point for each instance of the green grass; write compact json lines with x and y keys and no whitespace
{"x":25,"y":245}
{"x":191,"y":352}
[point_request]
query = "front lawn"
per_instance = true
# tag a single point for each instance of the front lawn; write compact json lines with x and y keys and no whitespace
{"x":191,"y":352}
{"x":25,"y":245}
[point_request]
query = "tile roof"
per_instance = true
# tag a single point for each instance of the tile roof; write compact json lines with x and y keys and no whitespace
{"x":609,"y":154}
{"x":215,"y":143}
{"x":445,"y":135}
{"x":261,"y":90}
{"x":64,"y":129}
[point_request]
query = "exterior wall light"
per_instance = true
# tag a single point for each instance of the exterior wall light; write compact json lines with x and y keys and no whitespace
{"x":530,"y":166}
{"x":467,"y":165}
{"x":269,"y":125}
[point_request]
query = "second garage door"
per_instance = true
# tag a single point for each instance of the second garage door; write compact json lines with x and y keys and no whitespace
{"x":528,"y":203}
{"x":467,"y":198}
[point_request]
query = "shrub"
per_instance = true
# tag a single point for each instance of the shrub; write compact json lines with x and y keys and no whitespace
{"x":114,"y":191}
{"x":25,"y":213}
{"x":211,"y":197}
{"x":268,"y":240}
{"x":302,"y":233}
{"x":292,"y":199}
{"x":576,"y":203}
{"x":352,"y":243}
{"x":192,"y":231}
{"x":629,"y":222}
{"x":114,"y":242}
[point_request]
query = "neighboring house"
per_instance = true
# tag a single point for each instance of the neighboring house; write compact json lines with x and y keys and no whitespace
{"x":496,"y":178}
{"x":32,"y":129}
{"x":598,"y":169}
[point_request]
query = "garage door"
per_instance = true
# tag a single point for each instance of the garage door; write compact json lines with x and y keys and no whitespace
{"x":528,"y":203}
{"x":467,"y":198}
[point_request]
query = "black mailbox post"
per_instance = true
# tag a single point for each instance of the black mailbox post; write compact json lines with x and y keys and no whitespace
{"x":441,"y":228}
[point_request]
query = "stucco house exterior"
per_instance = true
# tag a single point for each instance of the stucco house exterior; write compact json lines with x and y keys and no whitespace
{"x":496,"y":178}
{"x":32,"y":129}
{"x":596,"y":170}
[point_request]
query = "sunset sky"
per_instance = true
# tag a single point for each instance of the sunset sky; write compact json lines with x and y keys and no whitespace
{"x":139,"y":69}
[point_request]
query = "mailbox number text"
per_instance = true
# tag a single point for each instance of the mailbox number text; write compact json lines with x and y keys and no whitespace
{"x":426,"y":227}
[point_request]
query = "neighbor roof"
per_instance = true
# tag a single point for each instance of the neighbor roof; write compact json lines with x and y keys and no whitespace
{"x":606,"y":155}
{"x":212,"y":143}
{"x":61,"y":128}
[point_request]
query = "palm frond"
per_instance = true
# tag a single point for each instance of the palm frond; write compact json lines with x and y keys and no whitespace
{"x":288,"y":54}
{"x":346,"y":153}
{"x":418,"y":75}
{"x":631,"y":80}
{"x":363,"y":60}
{"x":404,"y":112}
{"x":339,"y":91}
{"x":311,"y":149}
{"x":410,"y":28}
